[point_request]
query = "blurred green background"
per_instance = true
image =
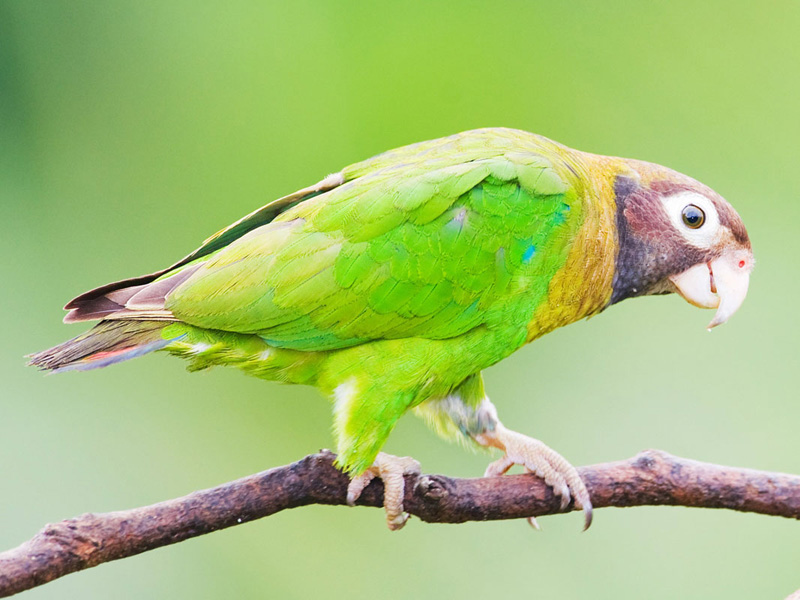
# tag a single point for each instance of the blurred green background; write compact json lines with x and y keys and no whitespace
{"x":130,"y":131}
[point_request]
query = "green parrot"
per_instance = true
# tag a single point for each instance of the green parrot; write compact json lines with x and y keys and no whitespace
{"x":393,"y":283}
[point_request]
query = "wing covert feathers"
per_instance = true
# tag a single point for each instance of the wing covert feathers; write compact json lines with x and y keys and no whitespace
{"x":426,"y":247}
{"x":429,"y":240}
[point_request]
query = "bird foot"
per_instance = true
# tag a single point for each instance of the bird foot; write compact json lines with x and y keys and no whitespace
{"x":391,"y":470}
{"x":541,"y":460}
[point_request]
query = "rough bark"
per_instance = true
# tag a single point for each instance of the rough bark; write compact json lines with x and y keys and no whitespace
{"x":650,"y":478}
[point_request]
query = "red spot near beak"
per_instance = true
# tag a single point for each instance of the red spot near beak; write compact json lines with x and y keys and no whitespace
{"x":742,"y":264}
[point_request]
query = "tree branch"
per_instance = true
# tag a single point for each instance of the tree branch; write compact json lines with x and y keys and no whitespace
{"x":650,"y":478}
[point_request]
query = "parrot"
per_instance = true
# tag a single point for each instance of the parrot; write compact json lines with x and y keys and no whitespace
{"x":392,"y":284}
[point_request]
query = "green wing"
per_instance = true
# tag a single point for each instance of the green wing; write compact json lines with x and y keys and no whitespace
{"x":430,"y":240}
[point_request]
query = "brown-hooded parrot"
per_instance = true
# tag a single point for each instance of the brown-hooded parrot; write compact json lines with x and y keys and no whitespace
{"x":391,"y":284}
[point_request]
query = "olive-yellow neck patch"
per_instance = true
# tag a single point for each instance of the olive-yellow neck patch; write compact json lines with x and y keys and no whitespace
{"x":584,"y":285}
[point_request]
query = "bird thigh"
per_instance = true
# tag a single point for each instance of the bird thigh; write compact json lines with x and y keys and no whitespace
{"x":363,"y":419}
{"x":464,"y":413}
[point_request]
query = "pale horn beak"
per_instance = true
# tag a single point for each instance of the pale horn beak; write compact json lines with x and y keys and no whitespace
{"x":721,"y":284}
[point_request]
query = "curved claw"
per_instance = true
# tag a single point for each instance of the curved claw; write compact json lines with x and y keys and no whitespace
{"x":588,"y":511}
{"x":542,"y":461}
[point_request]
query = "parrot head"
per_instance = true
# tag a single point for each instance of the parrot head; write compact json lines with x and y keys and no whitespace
{"x":678,"y":235}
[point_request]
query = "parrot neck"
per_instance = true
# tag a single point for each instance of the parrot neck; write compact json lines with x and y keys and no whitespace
{"x":583,"y":287}
{"x":629,"y":280}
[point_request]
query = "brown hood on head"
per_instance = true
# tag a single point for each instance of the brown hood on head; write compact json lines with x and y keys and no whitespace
{"x":659,"y":253}
{"x":728,"y":217}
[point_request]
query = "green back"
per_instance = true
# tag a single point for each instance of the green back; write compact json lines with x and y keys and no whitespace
{"x":431,"y":240}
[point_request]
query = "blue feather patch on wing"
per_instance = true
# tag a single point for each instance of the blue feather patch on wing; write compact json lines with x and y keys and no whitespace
{"x":528,"y":254}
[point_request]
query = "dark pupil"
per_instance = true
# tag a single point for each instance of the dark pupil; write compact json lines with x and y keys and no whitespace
{"x":693,"y":216}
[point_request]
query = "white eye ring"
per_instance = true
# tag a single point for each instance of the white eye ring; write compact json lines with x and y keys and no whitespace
{"x":702,"y":237}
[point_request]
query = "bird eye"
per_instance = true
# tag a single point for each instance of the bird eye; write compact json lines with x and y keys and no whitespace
{"x":693,"y":216}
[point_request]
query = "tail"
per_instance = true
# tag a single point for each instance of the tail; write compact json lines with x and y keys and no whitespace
{"x":106,"y":343}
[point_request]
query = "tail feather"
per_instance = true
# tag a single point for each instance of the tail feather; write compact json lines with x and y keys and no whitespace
{"x":106,"y":343}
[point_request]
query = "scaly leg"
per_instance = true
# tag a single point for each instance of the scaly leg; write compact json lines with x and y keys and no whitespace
{"x":467,"y":411}
{"x":391,"y":469}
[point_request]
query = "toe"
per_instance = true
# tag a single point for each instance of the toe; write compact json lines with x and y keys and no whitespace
{"x":499,"y":467}
{"x":391,"y":470}
{"x":357,"y":485}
